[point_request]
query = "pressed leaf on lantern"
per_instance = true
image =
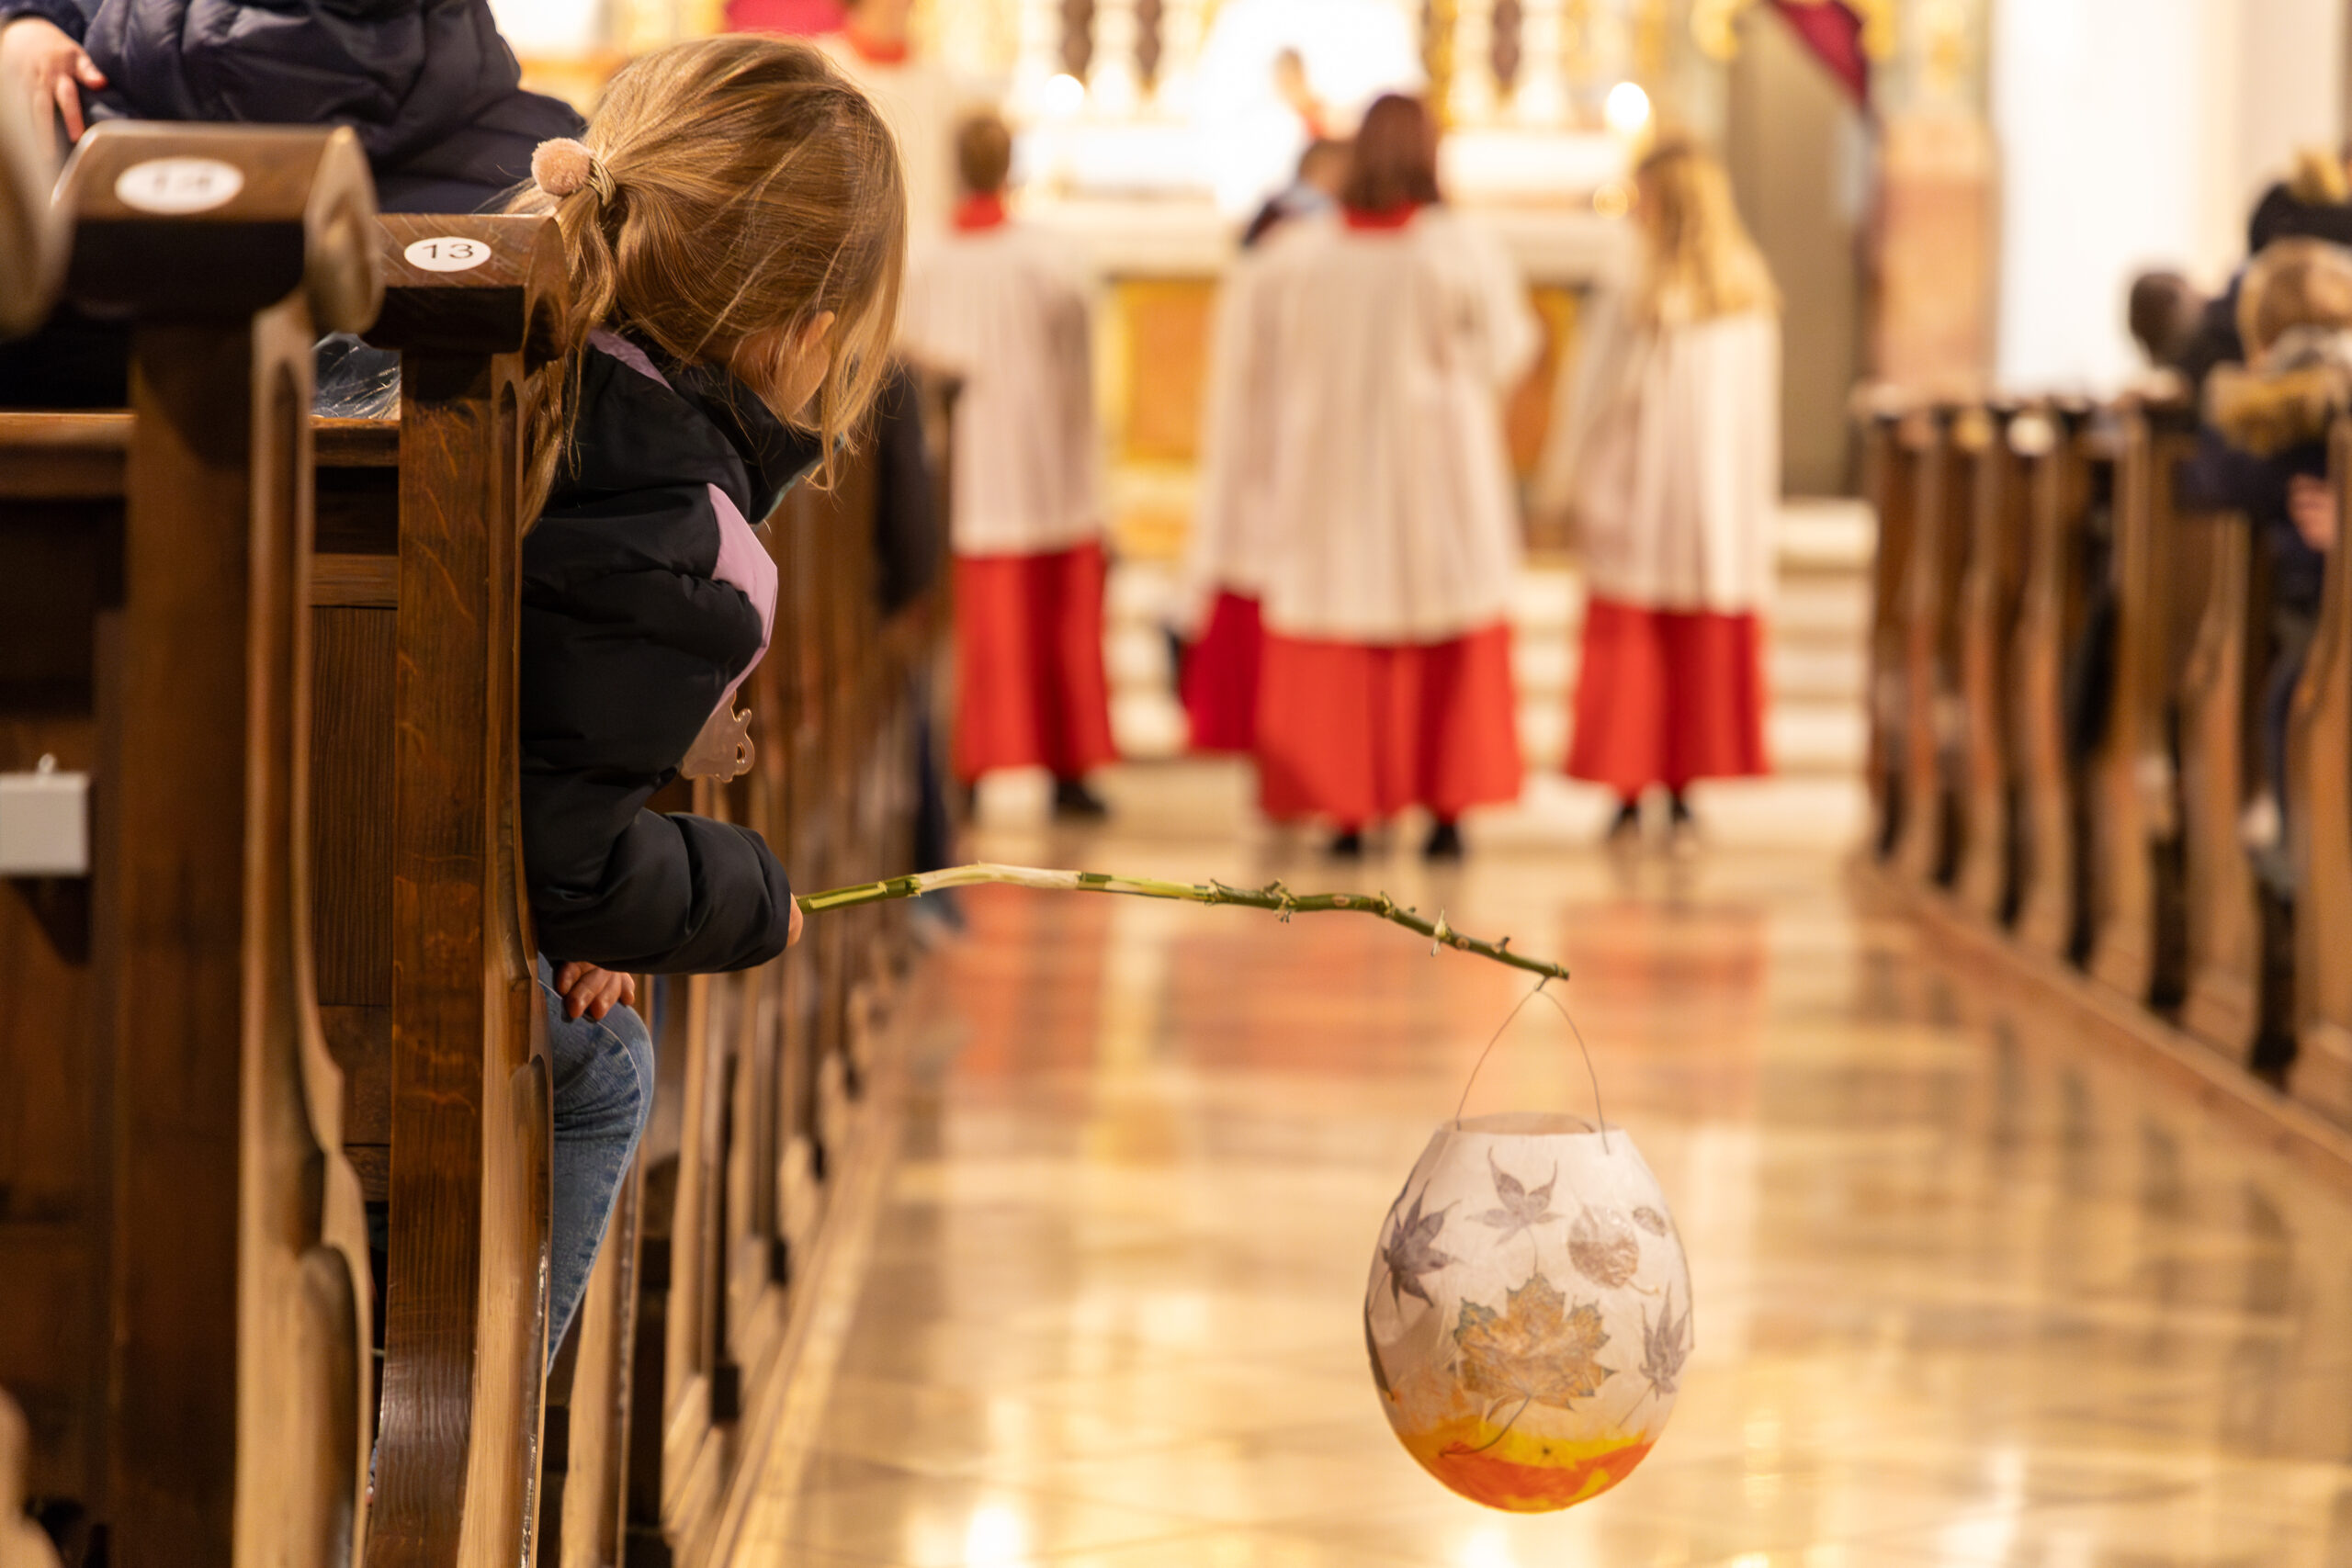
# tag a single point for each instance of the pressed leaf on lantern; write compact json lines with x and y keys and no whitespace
{"x":1538,"y":1348}
{"x":1604,"y":1248}
{"x":1650,"y":1220}
{"x":1665,"y":1346}
{"x":1410,"y":1253}
{"x":1522,"y":1209}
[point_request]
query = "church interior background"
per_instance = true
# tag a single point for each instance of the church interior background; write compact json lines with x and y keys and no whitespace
{"x":1981,"y":1277}
{"x":2001,"y":144}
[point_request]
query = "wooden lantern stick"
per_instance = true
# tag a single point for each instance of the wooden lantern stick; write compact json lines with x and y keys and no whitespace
{"x":1273,"y":897}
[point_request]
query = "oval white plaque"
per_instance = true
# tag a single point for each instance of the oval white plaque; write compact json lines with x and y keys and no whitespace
{"x":445,"y":252}
{"x":178,"y":184}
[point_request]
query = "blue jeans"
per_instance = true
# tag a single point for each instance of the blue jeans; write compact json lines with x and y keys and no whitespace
{"x":604,"y":1093}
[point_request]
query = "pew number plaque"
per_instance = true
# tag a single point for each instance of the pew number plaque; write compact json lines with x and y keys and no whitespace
{"x":45,"y":822}
{"x":445,"y":252}
{"x":178,"y":184}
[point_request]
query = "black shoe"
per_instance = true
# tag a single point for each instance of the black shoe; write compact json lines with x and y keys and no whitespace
{"x":1625,"y":828}
{"x":1445,"y":842}
{"x":1346,"y":846}
{"x":1682,"y":828}
{"x":1074,"y":801}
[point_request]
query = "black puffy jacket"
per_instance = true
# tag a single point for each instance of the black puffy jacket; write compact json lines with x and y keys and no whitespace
{"x":429,"y":86}
{"x":629,"y":640}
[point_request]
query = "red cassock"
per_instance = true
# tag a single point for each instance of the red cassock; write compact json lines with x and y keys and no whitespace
{"x":800,"y":18}
{"x":1667,"y":696}
{"x":1356,"y":732}
{"x":1220,"y":681}
{"x":1030,"y":687}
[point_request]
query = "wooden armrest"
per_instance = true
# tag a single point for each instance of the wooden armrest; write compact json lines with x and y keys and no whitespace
{"x":245,"y":215}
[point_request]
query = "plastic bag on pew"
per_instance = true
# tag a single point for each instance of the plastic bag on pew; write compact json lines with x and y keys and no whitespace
{"x":355,"y":381}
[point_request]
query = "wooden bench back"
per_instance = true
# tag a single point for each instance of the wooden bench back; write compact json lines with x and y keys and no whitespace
{"x":2220,"y":688}
{"x":1985,"y":879}
{"x":2138,"y":942}
{"x":2074,"y":480}
{"x":465,"y":1337}
{"x":1943,"y":468}
{"x":198,"y":1260}
{"x":415,"y":949}
{"x":2319,"y":788}
{"x":759,"y":1119}
{"x":2104,"y":763}
{"x":1890,"y":480}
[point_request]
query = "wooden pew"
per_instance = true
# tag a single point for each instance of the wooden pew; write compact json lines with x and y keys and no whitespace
{"x":1890,"y":480}
{"x":1987,"y":881}
{"x":773,"y":1067}
{"x":183,"y":1268}
{"x":2138,"y":942}
{"x":394,"y":510}
{"x":1943,"y":443}
{"x":2319,"y":783}
{"x":737,"y":1160}
{"x":2075,"y":481}
{"x":425,"y":957}
{"x":756,"y":1122}
{"x":2219,"y":698}
{"x":33,"y":236}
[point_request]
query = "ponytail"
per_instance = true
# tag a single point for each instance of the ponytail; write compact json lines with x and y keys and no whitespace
{"x":728,"y":188}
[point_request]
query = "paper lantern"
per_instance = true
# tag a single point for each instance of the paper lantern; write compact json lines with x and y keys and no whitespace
{"x":1529,"y":1311}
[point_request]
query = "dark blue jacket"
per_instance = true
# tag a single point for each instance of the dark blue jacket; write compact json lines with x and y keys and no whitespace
{"x":628,"y":642}
{"x":430,"y":87}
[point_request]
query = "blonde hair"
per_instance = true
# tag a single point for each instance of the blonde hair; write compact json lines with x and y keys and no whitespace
{"x":2293,"y":283}
{"x":2318,"y":178}
{"x":1700,"y":263}
{"x":735,"y":186}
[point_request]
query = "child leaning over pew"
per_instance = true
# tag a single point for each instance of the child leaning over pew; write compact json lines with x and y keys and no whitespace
{"x":734,"y":223}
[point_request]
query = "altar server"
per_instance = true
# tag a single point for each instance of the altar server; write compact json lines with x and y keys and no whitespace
{"x":1223,"y":570}
{"x":996,"y":304}
{"x":1395,"y":330}
{"x":1665,"y":450}
{"x":920,"y":100}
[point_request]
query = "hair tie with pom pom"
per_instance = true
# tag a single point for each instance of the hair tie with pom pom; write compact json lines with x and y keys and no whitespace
{"x":563,"y":166}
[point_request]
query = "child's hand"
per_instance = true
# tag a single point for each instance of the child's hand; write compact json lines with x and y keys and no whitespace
{"x":50,"y":68}
{"x":2311,"y":504}
{"x":592,"y":991}
{"x":793,"y":935}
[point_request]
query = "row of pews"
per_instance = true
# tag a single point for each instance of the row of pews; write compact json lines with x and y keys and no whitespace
{"x":2066,"y":677}
{"x":273,"y":1099}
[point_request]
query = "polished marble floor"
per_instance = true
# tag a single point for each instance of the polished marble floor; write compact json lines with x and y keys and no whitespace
{"x":1969,"y":1291}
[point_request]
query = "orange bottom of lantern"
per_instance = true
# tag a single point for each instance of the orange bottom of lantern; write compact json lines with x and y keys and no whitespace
{"x":1522,"y":1473}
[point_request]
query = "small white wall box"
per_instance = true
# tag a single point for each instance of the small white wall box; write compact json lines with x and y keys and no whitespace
{"x":45,"y":822}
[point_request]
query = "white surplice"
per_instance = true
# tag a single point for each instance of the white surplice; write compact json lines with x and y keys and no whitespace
{"x":1232,"y":518}
{"x":1666,"y":442}
{"x":921,"y":101}
{"x":1388,"y":355}
{"x":1003,"y":309}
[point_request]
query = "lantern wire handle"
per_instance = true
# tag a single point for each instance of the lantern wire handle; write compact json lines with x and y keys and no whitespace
{"x":1599,"y":1114}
